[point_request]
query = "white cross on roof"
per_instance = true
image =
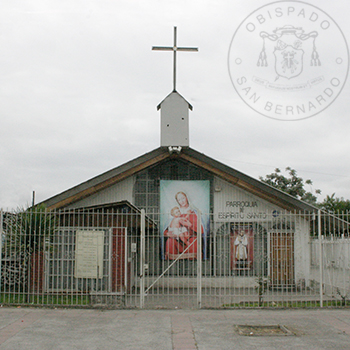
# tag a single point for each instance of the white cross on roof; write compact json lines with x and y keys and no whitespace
{"x":174,"y":48}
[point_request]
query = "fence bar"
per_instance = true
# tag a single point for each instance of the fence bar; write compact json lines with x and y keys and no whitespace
{"x":170,"y":266}
{"x":199,"y":261}
{"x":142,"y":259}
{"x":1,"y":230}
{"x":125,"y":260}
{"x":321,"y":257}
{"x":200,"y":273}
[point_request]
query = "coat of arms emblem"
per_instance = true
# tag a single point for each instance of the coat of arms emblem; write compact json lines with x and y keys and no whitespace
{"x":288,"y":51}
{"x":275,"y":60}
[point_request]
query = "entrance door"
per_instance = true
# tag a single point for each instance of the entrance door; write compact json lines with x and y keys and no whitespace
{"x":282,"y":259}
{"x":118,"y":260}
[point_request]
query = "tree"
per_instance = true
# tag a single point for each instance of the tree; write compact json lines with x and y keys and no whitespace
{"x":26,"y":234}
{"x":292,"y":184}
{"x":27,"y":229}
{"x":333,"y":204}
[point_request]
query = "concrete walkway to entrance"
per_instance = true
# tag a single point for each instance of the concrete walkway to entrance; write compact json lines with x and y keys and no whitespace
{"x":34,"y":328}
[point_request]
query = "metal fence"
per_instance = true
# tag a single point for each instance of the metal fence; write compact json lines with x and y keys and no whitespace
{"x":125,"y":259}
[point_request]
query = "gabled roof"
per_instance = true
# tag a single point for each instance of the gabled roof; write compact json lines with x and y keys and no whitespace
{"x":160,"y":154}
{"x":124,"y":207}
{"x":174,"y":92}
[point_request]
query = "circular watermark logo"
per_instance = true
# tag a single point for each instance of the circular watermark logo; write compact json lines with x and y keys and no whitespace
{"x":288,"y":60}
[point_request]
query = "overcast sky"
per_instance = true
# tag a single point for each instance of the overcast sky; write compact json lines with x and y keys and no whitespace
{"x":79,"y":86}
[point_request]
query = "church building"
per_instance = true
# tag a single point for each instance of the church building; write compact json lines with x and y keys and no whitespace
{"x":247,"y":229}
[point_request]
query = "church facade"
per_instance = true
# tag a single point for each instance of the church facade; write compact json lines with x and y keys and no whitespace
{"x":175,"y":220}
{"x":248,"y":229}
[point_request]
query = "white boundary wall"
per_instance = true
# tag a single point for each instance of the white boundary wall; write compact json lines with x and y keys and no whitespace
{"x":336,"y":265}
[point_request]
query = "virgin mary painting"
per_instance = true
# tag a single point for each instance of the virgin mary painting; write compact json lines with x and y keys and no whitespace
{"x":181,"y":228}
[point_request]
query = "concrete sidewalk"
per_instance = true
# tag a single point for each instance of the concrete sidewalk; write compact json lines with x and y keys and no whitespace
{"x":33,"y":328}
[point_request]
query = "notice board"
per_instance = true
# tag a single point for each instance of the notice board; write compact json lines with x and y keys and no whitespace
{"x":89,"y":254}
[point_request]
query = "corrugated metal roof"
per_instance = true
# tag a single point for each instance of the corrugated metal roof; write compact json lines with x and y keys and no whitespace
{"x":221,"y":170}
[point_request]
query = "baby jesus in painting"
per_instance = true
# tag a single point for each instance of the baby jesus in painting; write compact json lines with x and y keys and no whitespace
{"x":178,"y":226}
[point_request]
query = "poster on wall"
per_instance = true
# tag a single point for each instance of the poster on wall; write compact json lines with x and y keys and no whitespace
{"x":180,"y":204}
{"x":242,"y":249}
{"x":89,"y":254}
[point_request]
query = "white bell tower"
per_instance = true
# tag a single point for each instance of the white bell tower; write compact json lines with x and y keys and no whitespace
{"x":174,"y":121}
{"x":174,"y":108}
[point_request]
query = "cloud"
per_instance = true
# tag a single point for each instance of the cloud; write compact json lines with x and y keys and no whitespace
{"x":80,"y":85}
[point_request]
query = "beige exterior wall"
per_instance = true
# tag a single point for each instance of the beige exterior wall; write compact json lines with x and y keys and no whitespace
{"x":118,"y":192}
{"x":232,"y":204}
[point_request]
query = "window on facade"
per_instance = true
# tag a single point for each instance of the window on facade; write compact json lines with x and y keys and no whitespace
{"x":146,"y":189}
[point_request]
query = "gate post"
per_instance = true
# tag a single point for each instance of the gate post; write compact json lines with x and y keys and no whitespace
{"x":142,"y":259}
{"x":320,"y":257}
{"x":199,"y":260}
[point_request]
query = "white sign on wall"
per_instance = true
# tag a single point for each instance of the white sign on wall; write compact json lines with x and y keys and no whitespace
{"x":89,"y":254}
{"x":241,"y":210}
{"x":234,"y":204}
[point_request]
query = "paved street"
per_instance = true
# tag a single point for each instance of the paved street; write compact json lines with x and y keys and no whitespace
{"x":34,"y":328}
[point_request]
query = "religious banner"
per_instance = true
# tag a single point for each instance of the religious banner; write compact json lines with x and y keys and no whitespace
{"x":89,"y":254}
{"x":180,"y":204}
{"x":242,"y":249}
